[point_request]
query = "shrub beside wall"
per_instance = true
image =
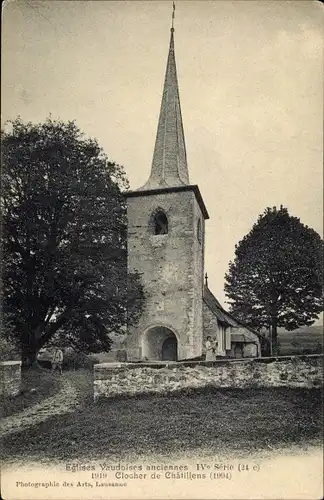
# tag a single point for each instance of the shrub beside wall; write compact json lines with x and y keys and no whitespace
{"x":74,"y":360}
{"x":132,"y":378}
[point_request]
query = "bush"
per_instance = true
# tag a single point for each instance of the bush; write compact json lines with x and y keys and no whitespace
{"x":121,"y":356}
{"x":74,"y":360}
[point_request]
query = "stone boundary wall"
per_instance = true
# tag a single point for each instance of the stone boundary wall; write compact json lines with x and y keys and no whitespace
{"x":127,"y":379}
{"x":10,"y":378}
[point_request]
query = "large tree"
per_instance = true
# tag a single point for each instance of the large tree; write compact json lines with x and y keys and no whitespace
{"x":64,"y":239}
{"x":277,"y":275}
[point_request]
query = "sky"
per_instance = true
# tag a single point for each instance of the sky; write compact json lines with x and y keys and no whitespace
{"x":251,"y":91}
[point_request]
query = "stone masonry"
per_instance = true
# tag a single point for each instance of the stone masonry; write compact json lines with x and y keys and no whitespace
{"x":171,"y":267}
{"x":166,"y":243}
{"x":126,"y":379}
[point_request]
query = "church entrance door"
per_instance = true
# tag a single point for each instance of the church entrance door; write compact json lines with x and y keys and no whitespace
{"x":170,"y":349}
{"x":159,"y":344}
{"x":238,"y":351}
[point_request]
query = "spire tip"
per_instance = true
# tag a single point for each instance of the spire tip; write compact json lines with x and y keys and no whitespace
{"x":173,"y":10}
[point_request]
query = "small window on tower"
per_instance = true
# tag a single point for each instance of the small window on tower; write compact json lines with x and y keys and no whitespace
{"x":199,"y":235}
{"x":160,"y":223}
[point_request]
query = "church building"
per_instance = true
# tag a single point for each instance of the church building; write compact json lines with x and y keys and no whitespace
{"x":166,"y":241}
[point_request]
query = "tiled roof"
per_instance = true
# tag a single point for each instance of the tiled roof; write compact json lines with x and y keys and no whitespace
{"x":223,"y":316}
{"x":216,"y":308}
{"x":240,"y":337}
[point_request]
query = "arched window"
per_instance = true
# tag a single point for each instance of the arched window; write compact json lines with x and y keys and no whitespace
{"x":199,"y":233}
{"x":160,"y":223}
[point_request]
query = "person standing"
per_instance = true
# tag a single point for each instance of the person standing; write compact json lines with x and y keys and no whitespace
{"x":57,"y":360}
{"x":210,"y":356}
{"x":215,"y":345}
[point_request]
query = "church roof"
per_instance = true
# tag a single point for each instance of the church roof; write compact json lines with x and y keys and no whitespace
{"x":223,"y":316}
{"x":169,"y":172}
{"x":215,"y":306}
{"x":169,"y":165}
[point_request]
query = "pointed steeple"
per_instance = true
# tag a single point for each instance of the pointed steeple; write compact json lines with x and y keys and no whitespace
{"x":169,"y":165}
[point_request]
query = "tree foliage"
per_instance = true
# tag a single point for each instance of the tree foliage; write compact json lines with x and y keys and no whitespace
{"x":276,"y":279}
{"x":64,"y":239}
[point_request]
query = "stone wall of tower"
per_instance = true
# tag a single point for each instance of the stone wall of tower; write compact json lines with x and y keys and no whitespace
{"x":198,"y":271}
{"x":171,"y":268}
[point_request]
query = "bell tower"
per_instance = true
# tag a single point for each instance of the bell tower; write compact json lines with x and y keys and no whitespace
{"x":166,"y":237}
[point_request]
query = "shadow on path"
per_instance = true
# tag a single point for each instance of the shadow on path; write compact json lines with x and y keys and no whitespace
{"x":64,"y":401}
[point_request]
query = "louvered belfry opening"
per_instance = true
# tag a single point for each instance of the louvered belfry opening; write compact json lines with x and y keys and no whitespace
{"x":160,"y":223}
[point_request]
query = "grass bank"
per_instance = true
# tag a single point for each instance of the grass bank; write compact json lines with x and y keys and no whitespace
{"x":224,"y":421}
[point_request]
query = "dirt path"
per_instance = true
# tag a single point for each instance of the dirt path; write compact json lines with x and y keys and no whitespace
{"x":66,"y":400}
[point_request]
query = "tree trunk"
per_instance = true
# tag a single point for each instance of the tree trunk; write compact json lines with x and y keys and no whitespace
{"x":274,"y":337}
{"x":28,"y":356}
{"x":33,"y":340}
{"x":28,"y":350}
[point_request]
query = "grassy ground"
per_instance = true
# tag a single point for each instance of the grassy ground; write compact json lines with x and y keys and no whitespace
{"x":223,"y":421}
{"x":37,"y":384}
{"x":305,"y":340}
